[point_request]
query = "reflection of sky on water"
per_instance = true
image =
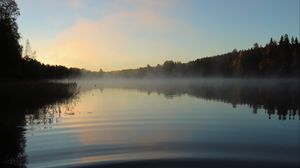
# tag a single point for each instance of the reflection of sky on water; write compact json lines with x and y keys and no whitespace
{"x":118,"y":124}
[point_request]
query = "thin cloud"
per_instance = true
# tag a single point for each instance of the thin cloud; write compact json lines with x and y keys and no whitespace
{"x":126,"y":39}
{"x":75,"y":4}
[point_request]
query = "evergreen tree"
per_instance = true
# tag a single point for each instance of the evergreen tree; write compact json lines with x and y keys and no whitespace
{"x":10,"y":49}
{"x":296,"y":41}
{"x":281,"y":40}
{"x":286,"y":40}
{"x":255,"y":46}
{"x":292,"y":40}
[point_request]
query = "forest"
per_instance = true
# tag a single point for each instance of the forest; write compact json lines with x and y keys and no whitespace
{"x":13,"y":65}
{"x":275,"y":59}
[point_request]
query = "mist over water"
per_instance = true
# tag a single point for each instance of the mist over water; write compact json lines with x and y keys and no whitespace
{"x":86,"y":98}
{"x":175,"y":121}
{"x":167,"y":123}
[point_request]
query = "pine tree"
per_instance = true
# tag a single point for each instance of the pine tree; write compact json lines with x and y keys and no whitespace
{"x":286,"y":40}
{"x":281,"y":41}
{"x":292,"y":40}
{"x":296,"y":41}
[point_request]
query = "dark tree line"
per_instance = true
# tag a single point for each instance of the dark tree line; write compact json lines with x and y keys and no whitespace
{"x":12,"y":65}
{"x":261,"y":95}
{"x":33,"y":69}
{"x":275,"y":59}
{"x":10,"y":48}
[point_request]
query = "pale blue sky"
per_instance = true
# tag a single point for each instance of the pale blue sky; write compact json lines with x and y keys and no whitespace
{"x":118,"y":34}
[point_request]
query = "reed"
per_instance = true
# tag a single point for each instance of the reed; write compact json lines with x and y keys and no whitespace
{"x":34,"y":94}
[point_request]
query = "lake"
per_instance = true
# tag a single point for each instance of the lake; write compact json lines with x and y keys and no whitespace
{"x":164,"y":123}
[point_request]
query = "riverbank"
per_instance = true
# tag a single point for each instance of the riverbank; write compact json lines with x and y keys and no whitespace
{"x":34,"y":94}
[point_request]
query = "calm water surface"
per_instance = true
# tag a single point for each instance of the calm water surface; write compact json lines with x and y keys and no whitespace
{"x":168,"y":124}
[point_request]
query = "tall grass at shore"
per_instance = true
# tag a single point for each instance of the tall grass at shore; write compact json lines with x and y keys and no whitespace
{"x":34,"y":94}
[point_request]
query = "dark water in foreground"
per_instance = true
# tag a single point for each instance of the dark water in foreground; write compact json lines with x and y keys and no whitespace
{"x":164,"y":124}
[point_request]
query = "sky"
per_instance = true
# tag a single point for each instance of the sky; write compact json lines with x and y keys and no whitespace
{"x":122,"y":34}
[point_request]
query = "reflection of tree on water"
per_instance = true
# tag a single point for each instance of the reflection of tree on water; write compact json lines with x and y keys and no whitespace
{"x":281,"y":99}
{"x":12,"y":129}
{"x":19,"y":99}
{"x":276,"y":97}
{"x":45,"y":117}
{"x":12,"y":140}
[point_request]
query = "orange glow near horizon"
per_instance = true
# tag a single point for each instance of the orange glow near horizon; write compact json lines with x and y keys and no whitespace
{"x":125,"y":34}
{"x":122,"y":40}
